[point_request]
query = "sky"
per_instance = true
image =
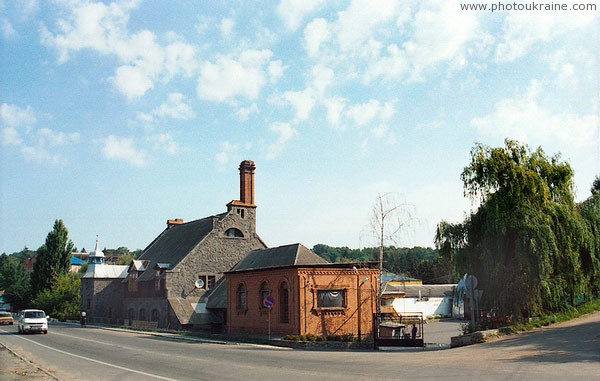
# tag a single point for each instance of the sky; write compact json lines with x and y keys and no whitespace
{"x":118,"y":115}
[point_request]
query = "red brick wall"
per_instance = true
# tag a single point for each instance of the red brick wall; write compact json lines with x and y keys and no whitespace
{"x":304,"y":316}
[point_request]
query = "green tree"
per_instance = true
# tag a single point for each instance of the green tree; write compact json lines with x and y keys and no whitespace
{"x":53,"y":258}
{"x":596,"y":186}
{"x":15,"y":283}
{"x":524,"y":241}
{"x":62,"y":299}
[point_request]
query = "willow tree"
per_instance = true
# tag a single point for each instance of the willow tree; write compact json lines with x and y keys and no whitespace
{"x":524,"y":240}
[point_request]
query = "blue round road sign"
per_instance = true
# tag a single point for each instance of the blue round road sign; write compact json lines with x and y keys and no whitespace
{"x":268,"y":302}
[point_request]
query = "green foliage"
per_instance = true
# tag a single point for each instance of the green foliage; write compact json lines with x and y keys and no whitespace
{"x":15,"y":283}
{"x":596,"y":186}
{"x":531,"y":247}
{"x":62,"y":300}
{"x":53,"y":258}
{"x":418,"y":262}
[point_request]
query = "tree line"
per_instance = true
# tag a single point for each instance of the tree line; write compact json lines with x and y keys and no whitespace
{"x":423,"y":263}
{"x":50,"y":285}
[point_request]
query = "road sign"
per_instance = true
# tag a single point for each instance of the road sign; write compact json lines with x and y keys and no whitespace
{"x":268,"y":302}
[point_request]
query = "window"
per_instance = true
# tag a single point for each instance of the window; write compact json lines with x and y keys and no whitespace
{"x":132,"y":284}
{"x":234,"y":233}
{"x":284,"y":303}
{"x":154,"y":315}
{"x":241,"y":297}
{"x":131,"y":314}
{"x":157,"y":276}
{"x":265,"y":291}
{"x":143,"y":314}
{"x":331,"y":298}
{"x":208,"y":281}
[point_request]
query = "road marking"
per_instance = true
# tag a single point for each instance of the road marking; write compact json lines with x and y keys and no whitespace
{"x":97,"y":361}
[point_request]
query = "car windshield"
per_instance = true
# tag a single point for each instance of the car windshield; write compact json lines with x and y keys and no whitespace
{"x":34,"y":314}
{"x":4,"y":314}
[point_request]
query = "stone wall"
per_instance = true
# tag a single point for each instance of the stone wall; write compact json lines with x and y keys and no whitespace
{"x":215,"y":254}
{"x":102,"y":293}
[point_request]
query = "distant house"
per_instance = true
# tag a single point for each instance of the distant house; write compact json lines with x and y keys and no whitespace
{"x":168,"y":284}
{"x":428,"y":299}
{"x":308,"y":294}
{"x":102,"y":289}
{"x":76,"y":264}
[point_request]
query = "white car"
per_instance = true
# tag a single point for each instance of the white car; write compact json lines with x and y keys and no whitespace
{"x":33,"y":321}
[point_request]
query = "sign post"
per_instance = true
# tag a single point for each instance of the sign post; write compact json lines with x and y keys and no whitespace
{"x":268,"y":302}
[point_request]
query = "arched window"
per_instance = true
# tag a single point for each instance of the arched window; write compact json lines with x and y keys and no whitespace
{"x":234,"y":233}
{"x":264,"y":291}
{"x":131,"y":314}
{"x":154,"y":315}
{"x":284,"y":303}
{"x":143,"y":314}
{"x":241,"y":297}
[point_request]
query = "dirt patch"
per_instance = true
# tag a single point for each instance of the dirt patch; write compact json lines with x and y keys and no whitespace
{"x":14,"y":368}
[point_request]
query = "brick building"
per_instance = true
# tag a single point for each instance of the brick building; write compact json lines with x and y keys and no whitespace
{"x":310,"y":296}
{"x":168,"y":284}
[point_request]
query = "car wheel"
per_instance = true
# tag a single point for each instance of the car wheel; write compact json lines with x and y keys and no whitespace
{"x":45,"y":332}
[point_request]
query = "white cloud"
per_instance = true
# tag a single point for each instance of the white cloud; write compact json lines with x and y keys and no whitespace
{"x":302,"y":101}
{"x":275,"y":70}
{"x":424,"y":49}
{"x":124,"y":149}
{"x":132,"y":81}
{"x":164,"y":142}
{"x":10,"y":136}
{"x":7,"y":29}
{"x":285,"y":133}
{"x":523,"y":32}
{"x":12,"y":115}
{"x":245,"y":112}
{"x":35,"y":144}
{"x":524,"y":118}
{"x":226,"y":27}
{"x":292,"y":12}
{"x":316,"y":33}
{"x":228,"y":78}
{"x":103,"y":28}
{"x":366,"y":113}
{"x":357,"y":23}
{"x":175,"y":107}
{"x":227,"y":149}
{"x":335,"y":108}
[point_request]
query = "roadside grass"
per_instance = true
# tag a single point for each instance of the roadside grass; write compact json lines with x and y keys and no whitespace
{"x":557,"y":317}
{"x":568,"y":313}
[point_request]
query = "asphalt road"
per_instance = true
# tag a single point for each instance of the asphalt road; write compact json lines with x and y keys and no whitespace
{"x":568,"y":351}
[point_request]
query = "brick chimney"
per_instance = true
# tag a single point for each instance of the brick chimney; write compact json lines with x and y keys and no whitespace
{"x":247,"y":168}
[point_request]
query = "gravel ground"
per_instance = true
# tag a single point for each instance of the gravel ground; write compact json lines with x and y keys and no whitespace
{"x":13,"y":368}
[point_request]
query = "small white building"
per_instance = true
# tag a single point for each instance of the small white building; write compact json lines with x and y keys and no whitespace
{"x":429,"y":299}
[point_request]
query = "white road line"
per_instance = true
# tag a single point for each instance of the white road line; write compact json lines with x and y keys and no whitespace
{"x":97,"y":361}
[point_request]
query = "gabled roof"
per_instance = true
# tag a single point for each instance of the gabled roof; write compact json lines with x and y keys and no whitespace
{"x":288,"y":255}
{"x":175,"y":243}
{"x":137,"y":265}
{"x":104,"y":271}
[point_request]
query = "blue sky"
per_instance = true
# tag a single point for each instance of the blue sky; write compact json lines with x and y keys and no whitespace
{"x":116,"y":116}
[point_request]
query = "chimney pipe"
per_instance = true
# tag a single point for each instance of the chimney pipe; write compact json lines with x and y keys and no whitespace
{"x":247,"y":168}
